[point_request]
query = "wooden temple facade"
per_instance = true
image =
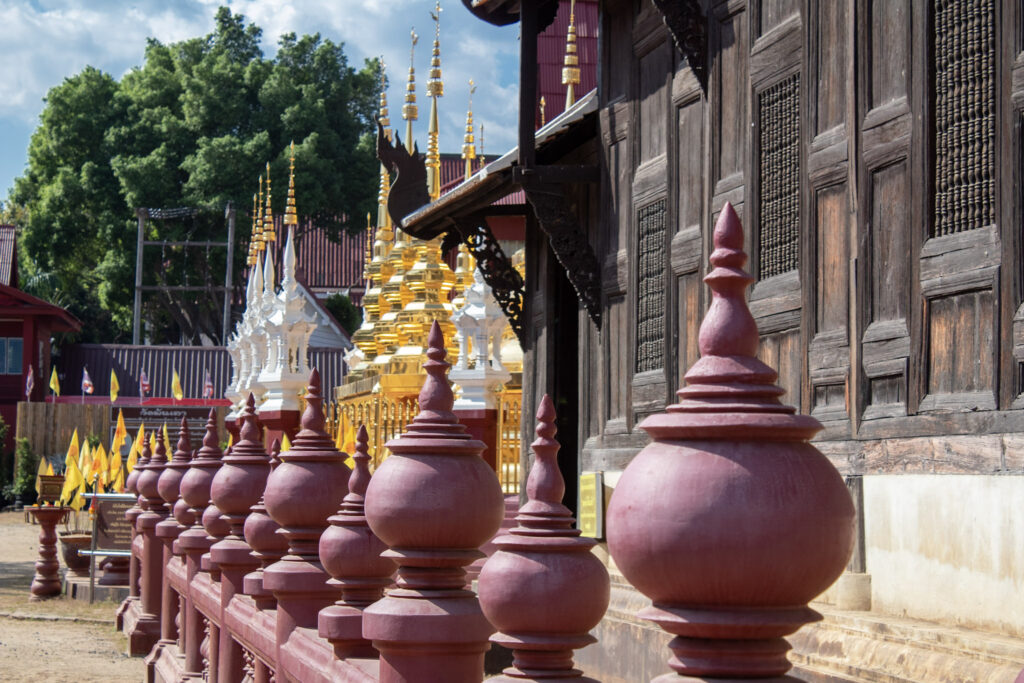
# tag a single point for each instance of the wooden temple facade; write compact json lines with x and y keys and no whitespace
{"x":873,"y":150}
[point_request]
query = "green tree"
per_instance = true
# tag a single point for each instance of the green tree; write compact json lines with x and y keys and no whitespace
{"x":345,"y":312}
{"x":193,"y":126}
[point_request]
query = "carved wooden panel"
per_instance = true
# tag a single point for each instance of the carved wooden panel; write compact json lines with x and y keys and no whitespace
{"x":779,"y":178}
{"x":731,"y":39}
{"x":889,"y":51}
{"x":691,"y":163}
{"x":830,"y":98}
{"x":833,"y":284}
{"x":618,"y":358}
{"x":650,"y":297}
{"x":964,"y":115}
{"x":890,"y":243}
{"x":960,"y":345}
{"x":654,"y":67}
{"x":782,"y":351}
{"x":771,"y":13}
{"x":618,"y":64}
{"x":689,"y":314}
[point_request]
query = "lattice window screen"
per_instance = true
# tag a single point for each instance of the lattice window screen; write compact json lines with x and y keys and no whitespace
{"x":650,"y":302}
{"x":778,"y":248}
{"x":964,"y":115}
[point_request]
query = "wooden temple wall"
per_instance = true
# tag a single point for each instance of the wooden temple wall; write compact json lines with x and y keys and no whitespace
{"x":879,"y":174}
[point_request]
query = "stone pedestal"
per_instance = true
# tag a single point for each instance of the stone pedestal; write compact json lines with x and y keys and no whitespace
{"x":46,"y":582}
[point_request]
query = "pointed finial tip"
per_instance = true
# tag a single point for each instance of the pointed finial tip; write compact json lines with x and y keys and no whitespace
{"x":250,"y":402}
{"x":362,"y":434}
{"x":314,"y":379}
{"x":546,"y":412}
{"x":212,"y":415}
{"x":435,"y":340}
{"x":728,"y":229}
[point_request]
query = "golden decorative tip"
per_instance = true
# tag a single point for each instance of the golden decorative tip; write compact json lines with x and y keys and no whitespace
{"x":290,"y":216}
{"x":543,"y":109}
{"x":468,"y":147}
{"x":383,"y":117}
{"x":481,"y":155}
{"x":410,"y":112}
{"x":435,"y":86}
{"x":257,"y":223}
{"x":268,"y":215}
{"x":571,"y":68}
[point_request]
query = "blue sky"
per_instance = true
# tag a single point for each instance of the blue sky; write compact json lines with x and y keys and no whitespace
{"x":46,"y":41}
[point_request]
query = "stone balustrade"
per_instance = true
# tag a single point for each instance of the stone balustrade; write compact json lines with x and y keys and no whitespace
{"x":297,"y":582}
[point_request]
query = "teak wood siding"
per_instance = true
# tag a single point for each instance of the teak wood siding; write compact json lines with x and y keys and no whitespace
{"x":881,"y":324}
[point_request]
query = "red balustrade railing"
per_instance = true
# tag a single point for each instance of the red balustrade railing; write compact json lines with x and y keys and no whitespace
{"x":286,"y":574}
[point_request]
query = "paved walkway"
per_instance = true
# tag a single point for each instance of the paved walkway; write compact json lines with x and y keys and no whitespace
{"x":58,"y":640}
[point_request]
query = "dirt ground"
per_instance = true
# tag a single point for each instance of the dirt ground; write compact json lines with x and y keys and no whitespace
{"x":58,"y":640}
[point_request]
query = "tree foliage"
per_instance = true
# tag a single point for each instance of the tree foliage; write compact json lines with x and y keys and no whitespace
{"x":345,"y":312}
{"x":193,"y":126}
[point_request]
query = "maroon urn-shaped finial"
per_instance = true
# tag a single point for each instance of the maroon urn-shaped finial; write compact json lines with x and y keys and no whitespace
{"x":131,"y":484}
{"x":169,"y":484}
{"x":237,"y":486}
{"x":195,"y":491}
{"x":351,"y":553}
{"x":149,"y":480}
{"x":730,"y":521}
{"x":434,"y":502}
{"x":543,"y":589}
{"x":302,"y":493}
{"x":267,"y":545}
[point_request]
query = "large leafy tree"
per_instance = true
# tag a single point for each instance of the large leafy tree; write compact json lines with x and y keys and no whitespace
{"x":194,"y":126}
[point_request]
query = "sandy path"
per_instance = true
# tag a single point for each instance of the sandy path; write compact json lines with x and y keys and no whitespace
{"x":57,"y":640}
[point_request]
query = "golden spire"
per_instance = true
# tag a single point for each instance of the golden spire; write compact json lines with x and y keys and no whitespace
{"x":543,"y":111}
{"x":481,"y":155}
{"x":383,"y":218}
{"x":268,"y":214}
{"x":410,"y":112}
{"x":468,"y":148}
{"x":250,"y":258}
{"x":571,"y":68}
{"x":257,"y":228}
{"x":435,"y":89}
{"x":290,"y":217}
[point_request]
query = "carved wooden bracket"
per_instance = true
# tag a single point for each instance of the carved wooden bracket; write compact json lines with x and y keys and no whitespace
{"x":504,"y":280}
{"x":569,"y":244}
{"x":409,"y":176}
{"x":685,"y":20}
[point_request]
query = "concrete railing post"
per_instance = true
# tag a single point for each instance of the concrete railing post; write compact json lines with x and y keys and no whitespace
{"x":351,"y":553}
{"x":236,"y":487}
{"x":730,"y":521}
{"x":434,"y":502}
{"x":194,"y":541}
{"x":543,"y":589}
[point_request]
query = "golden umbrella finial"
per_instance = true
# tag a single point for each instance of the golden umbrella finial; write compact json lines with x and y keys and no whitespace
{"x":268,"y":214}
{"x":481,"y":155}
{"x":543,"y":111}
{"x":468,"y":146}
{"x":257,"y":226}
{"x":290,"y":217}
{"x":571,"y":68}
{"x":410,"y":112}
{"x":383,"y":116}
{"x":435,"y":89}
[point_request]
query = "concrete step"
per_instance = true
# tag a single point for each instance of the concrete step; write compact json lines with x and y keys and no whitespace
{"x":865,"y":647}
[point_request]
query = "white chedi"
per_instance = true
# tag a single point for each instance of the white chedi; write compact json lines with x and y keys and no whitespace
{"x":478,"y":371}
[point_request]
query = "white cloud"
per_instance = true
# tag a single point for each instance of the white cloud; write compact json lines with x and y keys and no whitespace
{"x":46,"y":41}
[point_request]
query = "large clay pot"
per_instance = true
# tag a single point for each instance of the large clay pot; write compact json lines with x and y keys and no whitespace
{"x":70,"y":543}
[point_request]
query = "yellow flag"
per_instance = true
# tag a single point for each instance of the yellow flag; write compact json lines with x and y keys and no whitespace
{"x":100,"y":467}
{"x":54,"y":382}
{"x":167,"y":443}
{"x":114,"y":386}
{"x":136,"y":451}
{"x":85,"y":462}
{"x":120,"y":434}
{"x":176,"y":386}
{"x":41,"y":472}
{"x":73,"y":479}
{"x":49,"y":468}
{"x":231,"y":439}
{"x":115,"y":472}
{"x":152,"y":441}
{"x":286,"y":445}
